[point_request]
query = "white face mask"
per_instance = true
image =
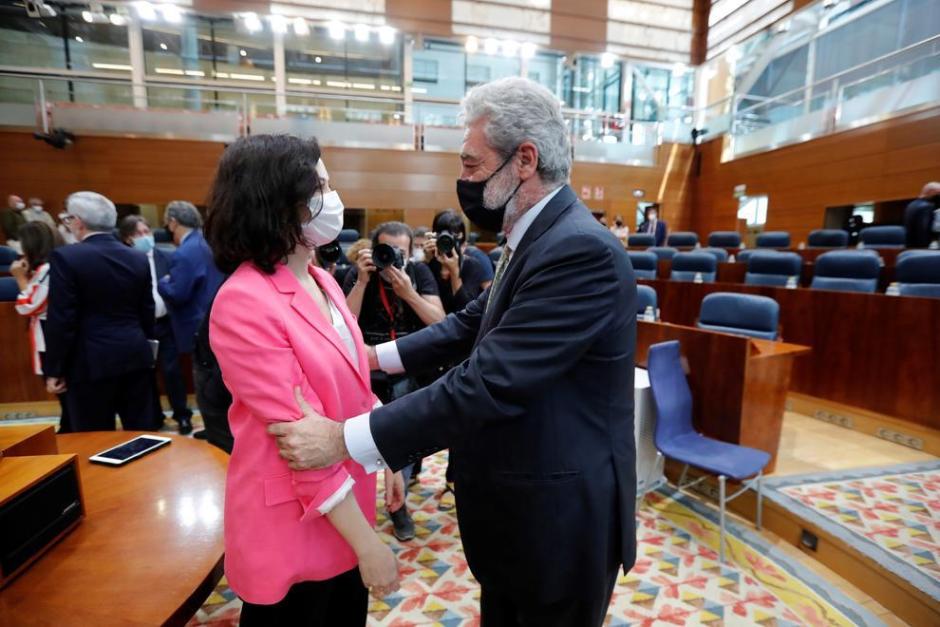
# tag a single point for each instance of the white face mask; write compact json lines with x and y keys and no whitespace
{"x":418,"y":255}
{"x":327,"y":224}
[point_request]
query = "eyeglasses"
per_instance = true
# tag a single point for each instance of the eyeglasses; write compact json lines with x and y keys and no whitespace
{"x":66,"y":217}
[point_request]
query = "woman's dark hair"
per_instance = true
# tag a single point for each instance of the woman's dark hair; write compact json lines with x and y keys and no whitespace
{"x":448,"y":220}
{"x":127,"y":229}
{"x":255,"y":206}
{"x":37,"y":240}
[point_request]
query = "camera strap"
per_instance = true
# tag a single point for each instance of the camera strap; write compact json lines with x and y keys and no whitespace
{"x":388,"y":309}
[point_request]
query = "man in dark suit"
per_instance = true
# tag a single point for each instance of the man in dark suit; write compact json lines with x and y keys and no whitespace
{"x":653,"y":225}
{"x":539,"y":418}
{"x":101,"y":314}
{"x":919,"y":215}
{"x":135,"y":232}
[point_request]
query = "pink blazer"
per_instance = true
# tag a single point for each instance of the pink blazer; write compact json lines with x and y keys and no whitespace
{"x":269,"y":337}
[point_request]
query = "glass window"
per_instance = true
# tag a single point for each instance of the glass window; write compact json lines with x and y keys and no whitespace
{"x":439,"y":70}
{"x":242,"y":56}
{"x":179,"y":50}
{"x":547,"y":68}
{"x":28,"y":41}
{"x":590,"y":87}
{"x":98,"y":47}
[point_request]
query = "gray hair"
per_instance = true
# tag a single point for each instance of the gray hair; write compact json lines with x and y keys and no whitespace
{"x":185,"y":213}
{"x":97,"y":212}
{"x":519,"y":110}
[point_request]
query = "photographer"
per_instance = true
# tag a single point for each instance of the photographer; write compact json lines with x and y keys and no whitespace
{"x":392,"y":297}
{"x":460,"y":277}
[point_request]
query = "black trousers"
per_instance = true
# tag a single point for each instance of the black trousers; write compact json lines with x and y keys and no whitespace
{"x":169,"y":358}
{"x":213,"y":400}
{"x":502,"y":610}
{"x":92,"y":405}
{"x":338,"y":602}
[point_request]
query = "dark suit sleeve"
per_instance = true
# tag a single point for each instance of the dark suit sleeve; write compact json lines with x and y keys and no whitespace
{"x":62,"y":316}
{"x":146,"y":305}
{"x":557,"y":314}
{"x":448,"y":341}
{"x":177,"y":288}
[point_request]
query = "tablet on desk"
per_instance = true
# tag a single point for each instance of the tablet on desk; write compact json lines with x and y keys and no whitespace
{"x":130,"y":450}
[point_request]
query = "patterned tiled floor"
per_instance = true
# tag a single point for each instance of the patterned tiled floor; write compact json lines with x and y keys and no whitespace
{"x":893,"y":515}
{"x":677,"y":579}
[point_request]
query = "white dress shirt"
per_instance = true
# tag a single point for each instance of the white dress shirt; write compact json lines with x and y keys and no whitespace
{"x":356,"y":431}
{"x":158,"y":304}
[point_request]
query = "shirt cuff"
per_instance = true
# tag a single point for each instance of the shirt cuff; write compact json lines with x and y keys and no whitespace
{"x":327,"y":506}
{"x":361,"y":445}
{"x":389,"y":358}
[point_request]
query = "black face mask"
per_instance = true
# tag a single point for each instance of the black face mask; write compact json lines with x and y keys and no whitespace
{"x":470,"y":195}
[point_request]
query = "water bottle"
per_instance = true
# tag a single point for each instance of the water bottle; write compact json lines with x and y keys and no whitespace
{"x":802,"y":246}
{"x":893,"y":290}
{"x":934,"y":245}
{"x":791,"y":283}
{"x":730,"y":258}
{"x":698,"y":278}
{"x":649,"y":315}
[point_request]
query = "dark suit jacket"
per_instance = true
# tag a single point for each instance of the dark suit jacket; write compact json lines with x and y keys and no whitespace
{"x":539,"y":419}
{"x":190,"y":287}
{"x":161,"y":263}
{"x":660,"y":233}
{"x":918,"y":222}
{"x":100,"y":311}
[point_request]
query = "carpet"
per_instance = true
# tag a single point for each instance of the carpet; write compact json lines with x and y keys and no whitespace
{"x":890,"y":514}
{"x":677,"y":579}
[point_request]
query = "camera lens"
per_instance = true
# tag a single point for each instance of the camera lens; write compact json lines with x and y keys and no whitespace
{"x":384,"y":256}
{"x":330,"y":253}
{"x":446,"y":243}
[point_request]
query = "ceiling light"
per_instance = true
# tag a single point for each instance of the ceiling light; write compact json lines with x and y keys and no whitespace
{"x":318,"y":59}
{"x":171,"y":13}
{"x":88,"y":17}
{"x":528,"y":50}
{"x":337,"y":30}
{"x":146,"y":11}
{"x":252,"y":22}
{"x":362,"y":32}
{"x":117,"y":19}
{"x":491,"y":46}
{"x":278,"y":23}
{"x":300,"y":27}
{"x":608,"y":60}
{"x":243,"y":53}
{"x":111,"y":66}
{"x":162,"y":46}
{"x":472,"y":45}
{"x":510,"y":48}
{"x":80,"y":40}
{"x":387,"y":35}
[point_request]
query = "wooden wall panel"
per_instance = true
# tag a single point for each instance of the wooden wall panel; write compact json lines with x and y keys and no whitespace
{"x":138,"y":171}
{"x":884,"y":161}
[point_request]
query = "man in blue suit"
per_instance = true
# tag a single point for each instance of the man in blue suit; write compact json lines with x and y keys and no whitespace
{"x":101,"y":316}
{"x":539,"y":416}
{"x":192,"y":281}
{"x":653,"y":225}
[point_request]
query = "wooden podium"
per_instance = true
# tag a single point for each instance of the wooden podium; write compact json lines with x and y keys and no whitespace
{"x":739,"y":384}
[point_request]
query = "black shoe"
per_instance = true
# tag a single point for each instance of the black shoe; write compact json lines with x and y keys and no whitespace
{"x":185,"y":426}
{"x":201,"y":435}
{"x":404,"y":526}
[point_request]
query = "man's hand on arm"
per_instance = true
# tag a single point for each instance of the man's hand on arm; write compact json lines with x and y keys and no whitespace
{"x":310,"y":442}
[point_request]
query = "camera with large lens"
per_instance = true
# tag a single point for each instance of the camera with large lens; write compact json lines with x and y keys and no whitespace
{"x":330,"y":253}
{"x":384,"y":256}
{"x":446,"y":243}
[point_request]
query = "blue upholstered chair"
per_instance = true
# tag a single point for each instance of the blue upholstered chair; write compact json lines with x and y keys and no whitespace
{"x":645,"y":297}
{"x":662,"y":252}
{"x":882,"y":237}
{"x":721,"y":255}
{"x":743,"y":314}
{"x":724,"y":239}
{"x":682,"y":239}
{"x":7,"y":257}
{"x":743,"y":255}
{"x":8,"y":289}
{"x":828,"y":238}
{"x":644,"y":264}
{"x":496,"y":254}
{"x":771,"y":267}
{"x":677,"y":438}
{"x":638,"y":240}
{"x":847,"y":271}
{"x":912,"y":252}
{"x":686,"y":265}
{"x":919,"y":274}
{"x":773,"y":239}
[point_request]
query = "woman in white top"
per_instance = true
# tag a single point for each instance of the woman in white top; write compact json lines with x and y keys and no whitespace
{"x":32,"y":277}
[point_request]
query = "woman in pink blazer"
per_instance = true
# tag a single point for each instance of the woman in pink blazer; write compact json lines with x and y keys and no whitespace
{"x":284,"y":338}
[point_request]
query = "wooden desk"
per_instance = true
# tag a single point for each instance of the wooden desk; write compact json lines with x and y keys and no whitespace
{"x":739,"y":384}
{"x":20,"y":383}
{"x":149,"y":551}
{"x":870,"y":351}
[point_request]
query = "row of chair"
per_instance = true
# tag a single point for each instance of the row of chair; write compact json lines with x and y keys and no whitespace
{"x":728,"y":312}
{"x":870,"y":237}
{"x":917,"y":272}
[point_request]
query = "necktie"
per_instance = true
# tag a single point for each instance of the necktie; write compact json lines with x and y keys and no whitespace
{"x":500,"y":270}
